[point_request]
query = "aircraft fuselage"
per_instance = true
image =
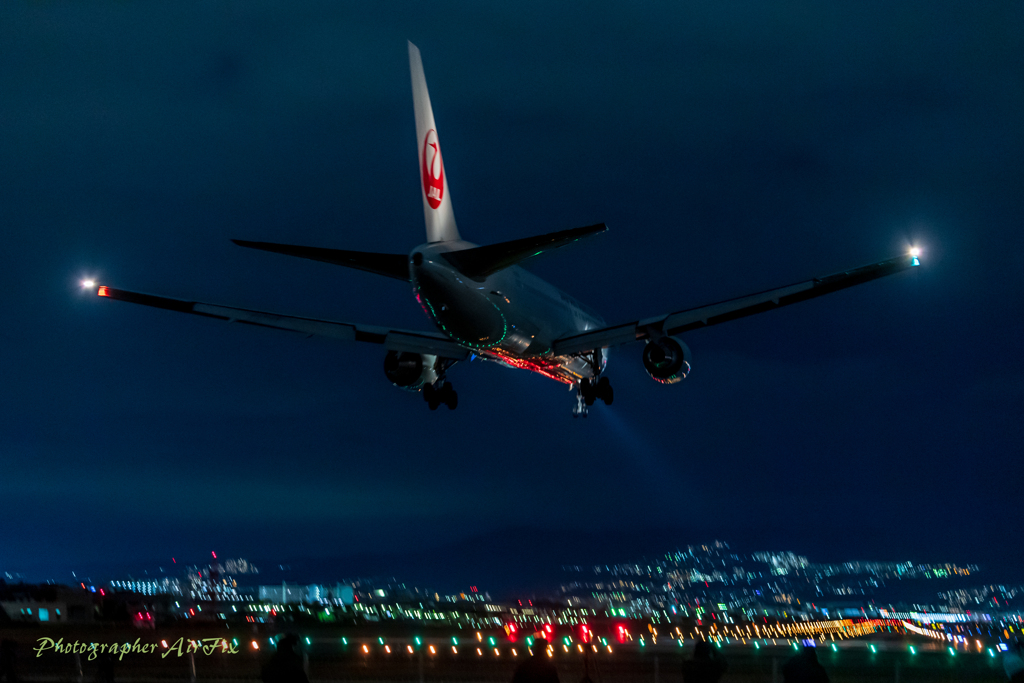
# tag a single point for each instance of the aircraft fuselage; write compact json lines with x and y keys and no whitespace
{"x":511,"y":316}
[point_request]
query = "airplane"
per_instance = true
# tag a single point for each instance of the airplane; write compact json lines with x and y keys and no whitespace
{"x":484,"y":305}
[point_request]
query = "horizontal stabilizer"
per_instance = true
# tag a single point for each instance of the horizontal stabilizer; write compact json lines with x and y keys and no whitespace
{"x":479,"y":262}
{"x":391,"y":265}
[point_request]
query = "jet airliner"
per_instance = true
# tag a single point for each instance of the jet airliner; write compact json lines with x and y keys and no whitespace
{"x":484,"y":305}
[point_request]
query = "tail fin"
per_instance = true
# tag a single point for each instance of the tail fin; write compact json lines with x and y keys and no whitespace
{"x":437,"y":203}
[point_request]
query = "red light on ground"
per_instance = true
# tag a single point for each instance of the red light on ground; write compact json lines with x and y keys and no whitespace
{"x":103,"y":291}
{"x":585,"y":633}
{"x":621,"y":633}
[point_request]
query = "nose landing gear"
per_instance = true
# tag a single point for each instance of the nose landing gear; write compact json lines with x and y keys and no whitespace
{"x":440,"y":392}
{"x":588,"y":391}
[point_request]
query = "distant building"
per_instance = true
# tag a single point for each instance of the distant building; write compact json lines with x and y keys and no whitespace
{"x":165,"y":586}
{"x":338,"y":594}
{"x":45,"y":604}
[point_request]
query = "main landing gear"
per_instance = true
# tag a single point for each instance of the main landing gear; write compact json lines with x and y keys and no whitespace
{"x":588,"y":391}
{"x":440,"y":392}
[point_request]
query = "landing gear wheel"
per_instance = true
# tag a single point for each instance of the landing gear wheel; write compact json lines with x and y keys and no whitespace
{"x":582,"y":390}
{"x":432,"y":396}
{"x":436,"y":394}
{"x":451,"y":398}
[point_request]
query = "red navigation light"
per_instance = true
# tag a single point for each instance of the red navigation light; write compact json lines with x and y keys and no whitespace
{"x":585,"y":633}
{"x":510,"y":631}
{"x":621,"y":632}
{"x":103,"y":291}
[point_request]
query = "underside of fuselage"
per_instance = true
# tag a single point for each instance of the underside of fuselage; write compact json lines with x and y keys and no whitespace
{"x":510,"y":316}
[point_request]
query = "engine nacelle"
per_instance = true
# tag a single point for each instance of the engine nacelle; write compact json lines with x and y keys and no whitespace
{"x":411,"y":370}
{"x":667,"y":360}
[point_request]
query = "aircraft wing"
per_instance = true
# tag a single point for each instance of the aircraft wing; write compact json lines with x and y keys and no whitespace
{"x":724,"y":311}
{"x":393,"y":340}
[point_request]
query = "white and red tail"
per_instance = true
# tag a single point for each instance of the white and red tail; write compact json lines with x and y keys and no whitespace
{"x":437,"y":203}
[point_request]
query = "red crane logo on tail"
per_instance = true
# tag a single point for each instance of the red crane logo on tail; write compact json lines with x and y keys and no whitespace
{"x":433,"y":170}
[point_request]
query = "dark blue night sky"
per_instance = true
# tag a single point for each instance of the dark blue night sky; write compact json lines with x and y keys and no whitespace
{"x":729,"y":146}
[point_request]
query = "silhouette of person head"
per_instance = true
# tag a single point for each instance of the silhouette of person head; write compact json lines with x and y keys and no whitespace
{"x":288,"y":643}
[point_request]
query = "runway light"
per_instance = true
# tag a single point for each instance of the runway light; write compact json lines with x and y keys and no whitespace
{"x":409,"y":648}
{"x":913,"y":650}
{"x":255,"y":645}
{"x":432,"y":650}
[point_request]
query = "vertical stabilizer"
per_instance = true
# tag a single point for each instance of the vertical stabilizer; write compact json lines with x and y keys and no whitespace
{"x":437,"y":203}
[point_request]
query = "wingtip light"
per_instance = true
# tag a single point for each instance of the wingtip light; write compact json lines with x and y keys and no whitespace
{"x":88,"y":284}
{"x":914,"y":253}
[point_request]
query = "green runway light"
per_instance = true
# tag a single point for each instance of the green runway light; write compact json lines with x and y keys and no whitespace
{"x":913,"y":650}
{"x":381,"y":640}
{"x":991,"y":652}
{"x":308,"y":641}
{"x":419,"y":642}
{"x":756,"y":646}
{"x":834,"y":648}
{"x":952,"y":652}
{"x":344,"y":641}
{"x":455,"y":641}
{"x":872,"y":648}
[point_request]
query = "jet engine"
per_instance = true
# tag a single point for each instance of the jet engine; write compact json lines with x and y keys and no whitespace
{"x":411,"y":370}
{"x":667,"y":360}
